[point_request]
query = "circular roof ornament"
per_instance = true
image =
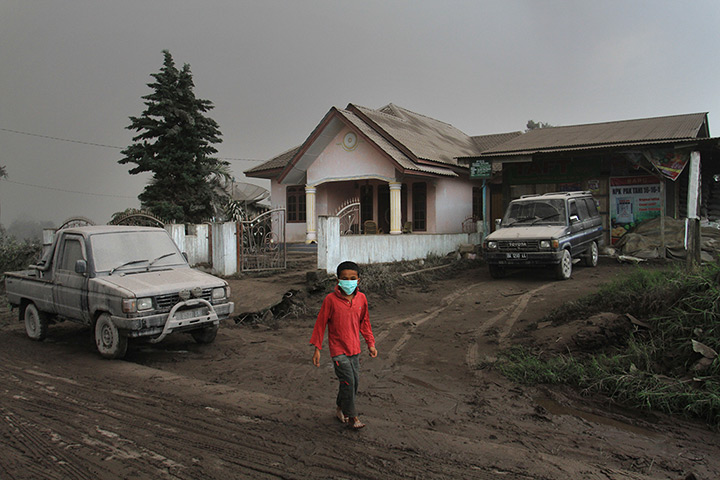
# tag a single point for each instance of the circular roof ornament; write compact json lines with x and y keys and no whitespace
{"x":350,"y":141}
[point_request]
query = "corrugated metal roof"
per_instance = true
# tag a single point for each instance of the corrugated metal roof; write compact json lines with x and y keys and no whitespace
{"x":402,"y":160}
{"x":425,"y":137}
{"x":644,"y":130}
{"x":486,"y":142}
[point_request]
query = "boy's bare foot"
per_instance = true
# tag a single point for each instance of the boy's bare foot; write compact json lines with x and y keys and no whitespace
{"x":355,"y":423}
{"x":340,"y":415}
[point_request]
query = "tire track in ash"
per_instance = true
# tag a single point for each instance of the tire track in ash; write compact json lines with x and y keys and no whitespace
{"x":187,"y":439}
{"x":503,"y":321}
{"x":416,"y":321}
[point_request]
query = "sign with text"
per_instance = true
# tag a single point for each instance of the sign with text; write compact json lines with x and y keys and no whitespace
{"x":480,"y":169}
{"x":632,"y":200}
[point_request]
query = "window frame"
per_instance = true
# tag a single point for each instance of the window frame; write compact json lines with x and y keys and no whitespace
{"x":295,"y":205}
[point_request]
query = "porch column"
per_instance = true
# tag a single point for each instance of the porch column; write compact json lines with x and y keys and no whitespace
{"x":395,"y":208}
{"x":310,"y":217}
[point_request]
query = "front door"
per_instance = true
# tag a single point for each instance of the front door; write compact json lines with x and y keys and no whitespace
{"x":384,"y":208}
{"x":70,"y":287}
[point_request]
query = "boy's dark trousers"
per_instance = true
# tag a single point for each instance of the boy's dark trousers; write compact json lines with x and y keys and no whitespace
{"x":347,"y":369}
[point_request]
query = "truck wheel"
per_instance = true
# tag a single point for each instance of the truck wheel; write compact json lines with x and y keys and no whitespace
{"x":591,"y":256}
{"x":36,"y":322}
{"x":205,"y":335}
{"x":496,"y":271}
{"x":563,"y":270}
{"x":110,"y":343}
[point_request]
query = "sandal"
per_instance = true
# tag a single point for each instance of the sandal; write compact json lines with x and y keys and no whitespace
{"x":341,"y":416}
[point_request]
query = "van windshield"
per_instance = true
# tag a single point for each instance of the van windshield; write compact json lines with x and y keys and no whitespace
{"x":119,"y":250}
{"x":535,"y":212}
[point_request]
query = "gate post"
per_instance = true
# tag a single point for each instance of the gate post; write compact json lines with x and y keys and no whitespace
{"x":224,"y":248}
{"x":328,"y":250}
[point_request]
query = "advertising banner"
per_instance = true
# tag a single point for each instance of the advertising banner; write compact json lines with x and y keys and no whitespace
{"x":669,"y":162}
{"x":632,"y":200}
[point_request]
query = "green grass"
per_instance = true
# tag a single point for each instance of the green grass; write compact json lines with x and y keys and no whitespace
{"x":656,"y":370}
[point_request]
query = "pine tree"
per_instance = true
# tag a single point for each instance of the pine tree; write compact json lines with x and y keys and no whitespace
{"x":175,"y":143}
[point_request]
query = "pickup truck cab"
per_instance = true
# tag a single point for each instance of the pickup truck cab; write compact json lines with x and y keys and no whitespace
{"x":124,"y":282}
{"x":546,"y":230}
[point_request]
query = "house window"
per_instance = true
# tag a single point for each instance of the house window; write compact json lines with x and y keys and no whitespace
{"x":477,"y":203}
{"x":295,"y":204}
{"x":419,"y":203}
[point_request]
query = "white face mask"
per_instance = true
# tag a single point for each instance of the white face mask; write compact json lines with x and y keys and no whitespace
{"x":348,"y":286}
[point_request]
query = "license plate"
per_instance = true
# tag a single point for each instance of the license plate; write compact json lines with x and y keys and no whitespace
{"x":515,"y":256}
{"x":194,"y":313}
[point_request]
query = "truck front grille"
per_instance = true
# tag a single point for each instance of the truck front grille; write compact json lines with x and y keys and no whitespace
{"x":166,"y":302}
{"x":518,"y":246}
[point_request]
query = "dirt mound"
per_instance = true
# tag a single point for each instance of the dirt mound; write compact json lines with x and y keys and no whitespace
{"x":599,"y":333}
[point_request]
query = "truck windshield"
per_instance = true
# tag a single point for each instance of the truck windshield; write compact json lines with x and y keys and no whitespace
{"x":117,"y":250}
{"x":534,"y":211}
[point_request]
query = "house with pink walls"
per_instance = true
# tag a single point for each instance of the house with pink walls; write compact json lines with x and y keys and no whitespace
{"x":399,"y":165}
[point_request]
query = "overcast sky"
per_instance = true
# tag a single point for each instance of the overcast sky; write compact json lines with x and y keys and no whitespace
{"x":76,"y":70}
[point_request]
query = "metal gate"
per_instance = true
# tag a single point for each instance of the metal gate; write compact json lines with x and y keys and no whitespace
{"x":261,"y":242}
{"x":349,"y":214}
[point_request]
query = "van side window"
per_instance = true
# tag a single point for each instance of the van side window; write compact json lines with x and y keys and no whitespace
{"x":573,"y":208}
{"x":72,"y":252}
{"x":592,"y":208}
{"x":582,"y":208}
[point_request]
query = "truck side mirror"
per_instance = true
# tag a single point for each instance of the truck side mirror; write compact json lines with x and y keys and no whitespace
{"x":81,"y":267}
{"x":498,"y":223}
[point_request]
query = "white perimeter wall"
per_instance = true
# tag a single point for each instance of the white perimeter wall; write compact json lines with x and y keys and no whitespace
{"x":334,"y":248}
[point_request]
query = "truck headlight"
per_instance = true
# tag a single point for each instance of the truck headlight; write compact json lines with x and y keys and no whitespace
{"x":144,"y":303}
{"x":545,"y":244}
{"x":219,"y":293}
{"x":491,"y":245}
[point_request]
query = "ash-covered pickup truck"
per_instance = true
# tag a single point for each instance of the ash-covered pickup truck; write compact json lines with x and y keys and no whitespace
{"x":125,"y":282}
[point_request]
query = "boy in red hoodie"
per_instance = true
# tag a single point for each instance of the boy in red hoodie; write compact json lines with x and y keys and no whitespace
{"x":345,"y":314}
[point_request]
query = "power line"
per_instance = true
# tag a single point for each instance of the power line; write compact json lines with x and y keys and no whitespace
{"x":67,"y":191}
{"x":60,"y":139}
{"x":107,"y":146}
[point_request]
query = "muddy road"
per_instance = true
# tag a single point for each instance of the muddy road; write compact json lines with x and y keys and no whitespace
{"x":251,"y":405}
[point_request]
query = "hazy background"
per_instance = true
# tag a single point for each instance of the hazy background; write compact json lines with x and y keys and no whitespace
{"x":76,"y":70}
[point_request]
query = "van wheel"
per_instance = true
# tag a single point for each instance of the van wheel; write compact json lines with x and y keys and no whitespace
{"x":110,"y":343}
{"x":36,"y":322}
{"x":496,"y":271}
{"x":205,"y":335}
{"x":591,"y":256}
{"x":563,"y":270}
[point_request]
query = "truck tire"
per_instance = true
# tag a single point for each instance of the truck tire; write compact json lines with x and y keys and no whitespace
{"x":108,"y":339}
{"x":36,"y":322}
{"x":496,"y":271}
{"x":591,"y":256}
{"x":563,"y":270}
{"x":205,"y":335}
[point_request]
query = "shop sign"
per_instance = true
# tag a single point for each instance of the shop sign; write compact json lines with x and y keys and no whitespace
{"x":480,"y":169}
{"x":551,"y":171}
{"x":633,"y":200}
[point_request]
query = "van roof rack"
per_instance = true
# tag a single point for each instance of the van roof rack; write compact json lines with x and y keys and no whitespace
{"x":567,"y":194}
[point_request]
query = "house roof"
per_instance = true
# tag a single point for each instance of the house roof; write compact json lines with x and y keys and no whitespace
{"x":425,"y":138}
{"x":601,"y":135}
{"x":276,"y":163}
{"x":414,"y":142}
